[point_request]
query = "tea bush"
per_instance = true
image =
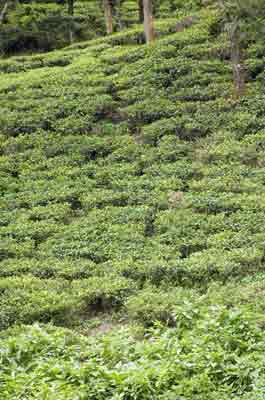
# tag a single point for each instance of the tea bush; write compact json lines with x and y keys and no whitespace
{"x":132,"y":192}
{"x":222,"y":348}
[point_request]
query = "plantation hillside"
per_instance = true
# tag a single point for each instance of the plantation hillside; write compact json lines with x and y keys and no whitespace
{"x":43,"y":25}
{"x":132,"y":217}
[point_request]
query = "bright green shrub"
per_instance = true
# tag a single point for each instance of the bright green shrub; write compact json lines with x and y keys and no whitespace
{"x":132,"y":191}
{"x":172,"y":308}
{"x":49,"y":267}
{"x":27,"y":299}
{"x":103,"y":294}
{"x":214,"y":359}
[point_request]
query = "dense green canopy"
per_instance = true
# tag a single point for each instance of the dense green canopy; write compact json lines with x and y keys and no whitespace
{"x":132,"y":209}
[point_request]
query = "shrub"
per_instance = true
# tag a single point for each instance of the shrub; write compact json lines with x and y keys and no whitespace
{"x":172,"y":308}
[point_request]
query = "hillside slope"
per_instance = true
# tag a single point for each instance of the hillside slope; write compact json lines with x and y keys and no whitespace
{"x":43,"y":25}
{"x":132,"y":219}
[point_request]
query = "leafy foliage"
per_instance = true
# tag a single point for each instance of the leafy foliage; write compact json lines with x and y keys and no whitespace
{"x":132,"y":192}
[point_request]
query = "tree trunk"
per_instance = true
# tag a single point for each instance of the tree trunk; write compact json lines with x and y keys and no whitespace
{"x":239,"y":73}
{"x":71,"y":14}
{"x":117,"y":14}
{"x":141,"y":11}
{"x":148,"y":21}
{"x":3,"y":13}
{"x":108,"y":16}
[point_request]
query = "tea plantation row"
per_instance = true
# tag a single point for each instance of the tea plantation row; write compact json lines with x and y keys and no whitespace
{"x":133,"y":200}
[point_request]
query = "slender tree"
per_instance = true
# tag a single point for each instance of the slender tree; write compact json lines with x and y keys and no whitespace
{"x":141,"y":11}
{"x":242,"y":22}
{"x":71,"y":15}
{"x":148,"y":21}
{"x":116,"y":5}
{"x":3,"y":12}
{"x":107,"y":4}
{"x":237,"y":60}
